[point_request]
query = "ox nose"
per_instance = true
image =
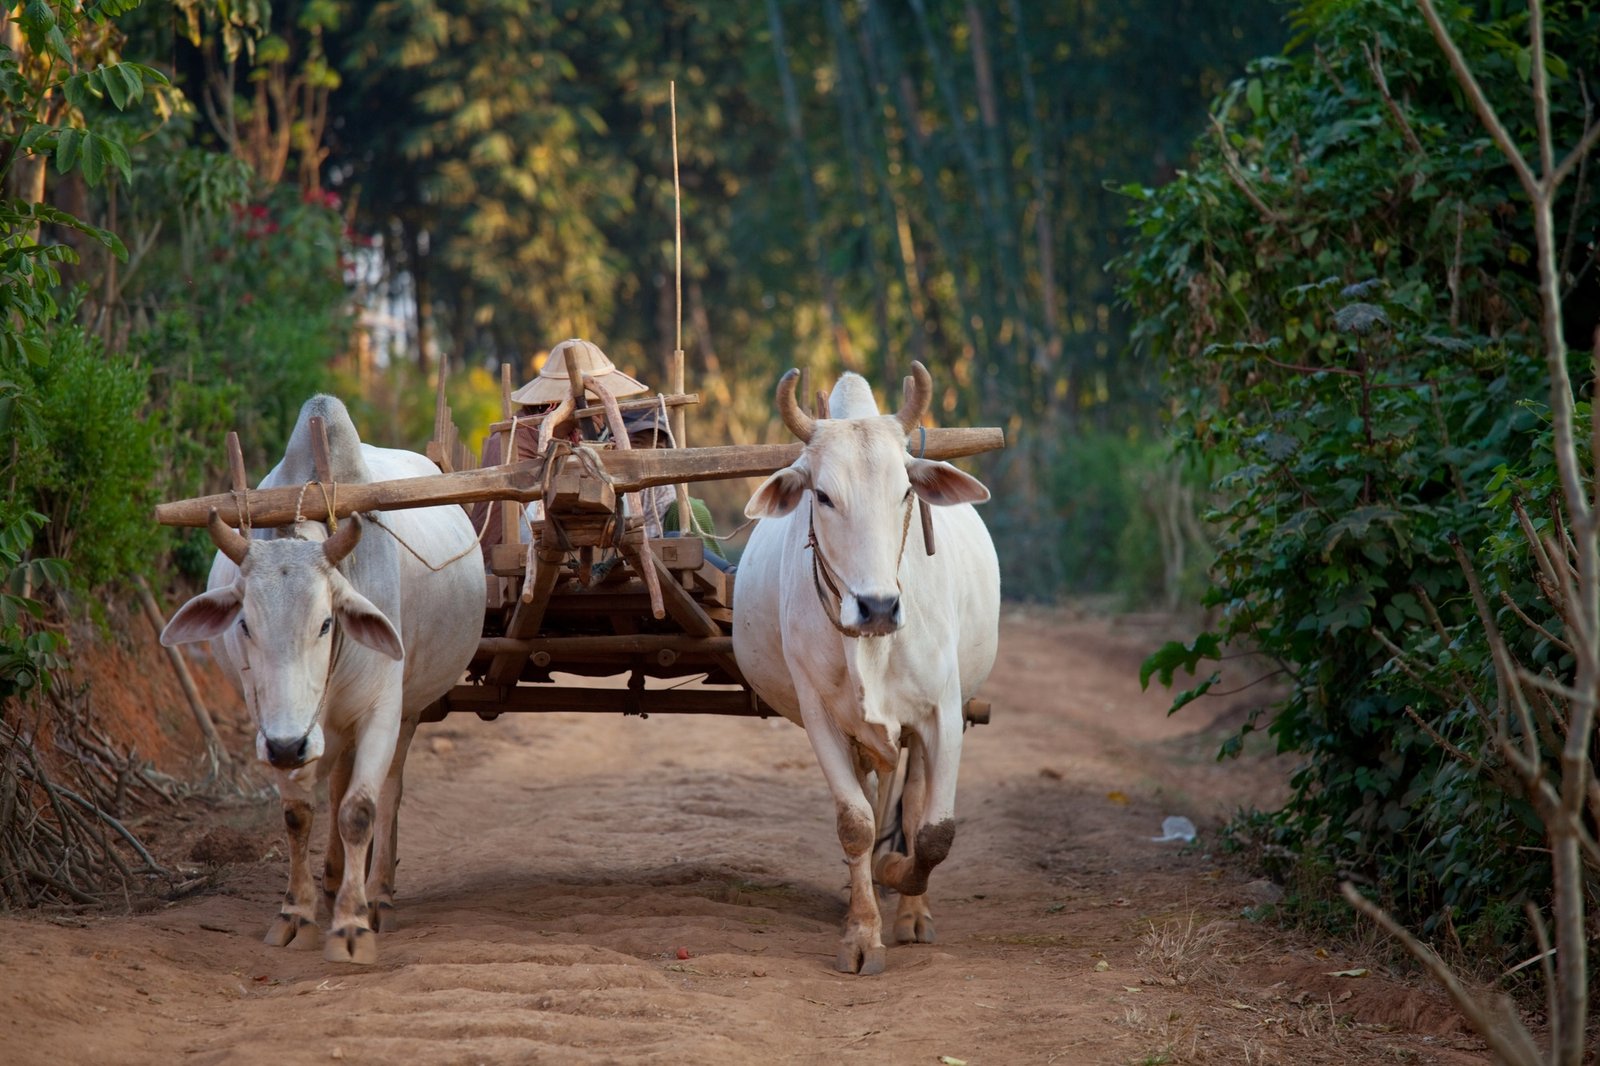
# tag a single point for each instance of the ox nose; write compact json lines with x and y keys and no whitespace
{"x":287,"y":754}
{"x":879,"y":610}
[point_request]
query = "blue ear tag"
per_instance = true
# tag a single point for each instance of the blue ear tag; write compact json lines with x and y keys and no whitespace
{"x":922,"y":448}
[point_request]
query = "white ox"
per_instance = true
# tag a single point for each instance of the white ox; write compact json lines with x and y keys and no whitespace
{"x":846,"y":626}
{"x":337,"y":643}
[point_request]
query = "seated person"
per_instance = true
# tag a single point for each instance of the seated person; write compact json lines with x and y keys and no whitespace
{"x":649,"y":428}
{"x":538,"y":396}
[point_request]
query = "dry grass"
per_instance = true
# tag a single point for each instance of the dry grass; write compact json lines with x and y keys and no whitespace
{"x":1183,"y":953}
{"x":1223,"y":1017}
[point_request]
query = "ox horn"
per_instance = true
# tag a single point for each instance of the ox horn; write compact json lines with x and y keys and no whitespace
{"x":800,"y":424}
{"x":918,"y":394}
{"x":343,"y":541}
{"x":228,"y":541}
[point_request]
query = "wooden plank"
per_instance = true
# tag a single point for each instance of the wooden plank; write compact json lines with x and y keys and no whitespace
{"x":646,"y":467}
{"x":647,"y":403}
{"x":489,"y":701}
{"x":575,"y":490}
{"x":718,"y":585}
{"x":527,"y":616}
{"x":679,"y":553}
{"x":276,"y":507}
{"x":510,"y":511}
{"x":682,"y":606}
{"x":620,"y":644}
{"x":678,"y":603}
{"x":631,"y":470}
{"x":436,"y":455}
{"x":507,"y":559}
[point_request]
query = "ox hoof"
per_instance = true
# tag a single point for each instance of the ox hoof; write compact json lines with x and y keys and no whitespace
{"x":292,"y":930}
{"x":914,"y":928}
{"x":353,"y":943}
{"x":866,"y":961}
{"x":381,"y":915}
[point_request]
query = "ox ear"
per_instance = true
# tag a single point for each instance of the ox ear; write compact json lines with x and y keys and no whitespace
{"x":942,"y":484}
{"x":364,"y":623}
{"x":779,"y":494}
{"x":203,"y":617}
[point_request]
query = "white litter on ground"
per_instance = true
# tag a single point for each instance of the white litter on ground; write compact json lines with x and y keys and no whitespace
{"x":1175,"y":827}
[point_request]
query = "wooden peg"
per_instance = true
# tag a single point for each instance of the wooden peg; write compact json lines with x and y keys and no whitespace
{"x":236,"y":463}
{"x":575,"y":382}
{"x":319,"y":449}
{"x":441,"y":408}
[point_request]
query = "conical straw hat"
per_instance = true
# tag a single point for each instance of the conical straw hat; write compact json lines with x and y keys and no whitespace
{"x":552,"y":384}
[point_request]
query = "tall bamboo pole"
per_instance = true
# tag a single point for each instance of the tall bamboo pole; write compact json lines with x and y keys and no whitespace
{"x":679,"y":420}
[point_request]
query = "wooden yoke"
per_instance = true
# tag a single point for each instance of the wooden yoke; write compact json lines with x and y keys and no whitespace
{"x":629,"y":470}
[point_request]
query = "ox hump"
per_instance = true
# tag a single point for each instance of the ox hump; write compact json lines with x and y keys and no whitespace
{"x":344,"y":444}
{"x":852,"y":398}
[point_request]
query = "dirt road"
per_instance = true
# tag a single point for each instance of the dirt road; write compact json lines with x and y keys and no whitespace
{"x":554,"y":866}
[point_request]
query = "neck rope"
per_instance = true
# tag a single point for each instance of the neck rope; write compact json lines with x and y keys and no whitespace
{"x":822,"y":573}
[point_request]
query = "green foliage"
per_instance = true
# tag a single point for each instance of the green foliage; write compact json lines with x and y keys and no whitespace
{"x":252,"y":312}
{"x":28,"y":654}
{"x":1342,"y":304}
{"x":90,"y":467}
{"x":239,"y":292}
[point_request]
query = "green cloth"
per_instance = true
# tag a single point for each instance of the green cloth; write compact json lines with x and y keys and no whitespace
{"x":697,"y":508}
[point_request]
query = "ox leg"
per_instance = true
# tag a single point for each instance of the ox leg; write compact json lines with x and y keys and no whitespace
{"x":913,"y":922}
{"x":386,"y":842}
{"x":861,"y":947}
{"x":350,"y":938}
{"x":296,"y":923}
{"x":930,"y":805}
{"x":333,"y":858}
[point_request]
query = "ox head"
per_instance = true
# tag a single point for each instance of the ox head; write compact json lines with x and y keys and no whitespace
{"x":279,"y":616}
{"x":862,"y":480}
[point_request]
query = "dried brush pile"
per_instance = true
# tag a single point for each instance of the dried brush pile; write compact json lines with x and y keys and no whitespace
{"x":65,"y":794}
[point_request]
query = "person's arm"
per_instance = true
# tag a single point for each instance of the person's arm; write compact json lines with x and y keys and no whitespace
{"x":488,"y":510}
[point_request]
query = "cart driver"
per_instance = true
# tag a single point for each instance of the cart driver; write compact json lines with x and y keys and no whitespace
{"x":650,"y":428}
{"x":538,"y":396}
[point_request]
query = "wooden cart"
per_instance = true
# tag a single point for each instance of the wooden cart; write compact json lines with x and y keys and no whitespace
{"x":588,"y":595}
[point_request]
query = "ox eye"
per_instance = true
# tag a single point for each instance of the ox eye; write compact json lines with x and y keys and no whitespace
{"x":823,"y":498}
{"x":327,"y":624}
{"x":244,"y":628}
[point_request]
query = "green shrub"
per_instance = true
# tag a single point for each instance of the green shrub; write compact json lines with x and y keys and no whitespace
{"x":91,"y":469}
{"x":29,"y":655}
{"x":1342,"y":304}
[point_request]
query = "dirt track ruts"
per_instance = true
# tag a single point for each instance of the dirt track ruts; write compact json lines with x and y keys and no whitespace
{"x":553,"y":866}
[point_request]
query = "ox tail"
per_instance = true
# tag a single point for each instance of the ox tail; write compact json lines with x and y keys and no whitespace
{"x":890,"y":809}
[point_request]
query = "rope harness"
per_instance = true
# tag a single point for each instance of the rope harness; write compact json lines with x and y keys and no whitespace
{"x":822,"y":572}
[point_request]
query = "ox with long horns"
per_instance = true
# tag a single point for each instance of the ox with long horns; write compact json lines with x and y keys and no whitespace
{"x":336,"y":643}
{"x":848,"y":625}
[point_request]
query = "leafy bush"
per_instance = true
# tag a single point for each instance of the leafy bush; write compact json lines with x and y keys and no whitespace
{"x":28,"y":655}
{"x":1340,"y":293}
{"x":252,"y":312}
{"x":91,"y":469}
